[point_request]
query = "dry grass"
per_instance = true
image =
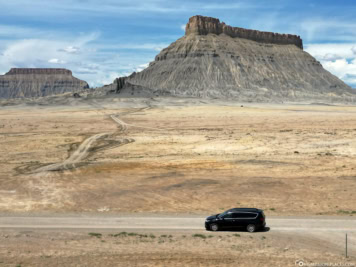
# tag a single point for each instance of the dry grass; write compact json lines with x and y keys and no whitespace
{"x":52,"y":248}
{"x":202,"y":158}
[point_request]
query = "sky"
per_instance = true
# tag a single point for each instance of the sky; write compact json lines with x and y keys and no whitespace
{"x":102,"y":40}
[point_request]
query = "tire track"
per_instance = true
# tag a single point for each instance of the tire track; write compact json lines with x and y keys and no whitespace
{"x":124,"y":126}
{"x":76,"y":157}
{"x":83,"y":150}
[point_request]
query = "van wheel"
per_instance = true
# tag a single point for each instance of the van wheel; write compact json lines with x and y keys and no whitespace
{"x":214,"y":227}
{"x":251,"y":228}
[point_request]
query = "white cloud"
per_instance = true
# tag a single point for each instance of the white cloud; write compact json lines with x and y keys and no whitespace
{"x":56,"y":61}
{"x":44,"y":53}
{"x":182,"y":27}
{"x":341,"y":68}
{"x":339,"y":59}
{"x":331,"y":57}
{"x":70,"y":49}
{"x":353,"y":49}
{"x":332,"y":50}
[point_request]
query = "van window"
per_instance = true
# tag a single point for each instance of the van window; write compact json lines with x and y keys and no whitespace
{"x":245,"y":215}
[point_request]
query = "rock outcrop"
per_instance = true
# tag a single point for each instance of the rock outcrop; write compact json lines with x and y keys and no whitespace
{"x":36,"y":82}
{"x":214,"y":60}
{"x":200,"y":25}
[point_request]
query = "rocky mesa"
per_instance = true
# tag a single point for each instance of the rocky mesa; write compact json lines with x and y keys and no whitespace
{"x":37,"y":82}
{"x":214,"y":60}
{"x":200,"y":25}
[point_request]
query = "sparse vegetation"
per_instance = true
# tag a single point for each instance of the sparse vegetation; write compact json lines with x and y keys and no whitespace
{"x":120,"y":234}
{"x":132,"y":234}
{"x":237,"y":235}
{"x":126,"y":234}
{"x":347,"y":211}
{"x":98,"y":235}
{"x":199,"y":236}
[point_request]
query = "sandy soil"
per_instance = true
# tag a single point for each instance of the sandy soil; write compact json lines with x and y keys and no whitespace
{"x":164,"y":155}
{"x":160,"y":248}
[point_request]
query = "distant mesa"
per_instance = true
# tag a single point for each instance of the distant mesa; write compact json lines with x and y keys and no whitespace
{"x":214,"y":60}
{"x":51,"y":71}
{"x":38,"y":82}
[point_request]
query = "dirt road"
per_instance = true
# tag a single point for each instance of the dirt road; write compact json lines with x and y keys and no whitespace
{"x":309,"y":224}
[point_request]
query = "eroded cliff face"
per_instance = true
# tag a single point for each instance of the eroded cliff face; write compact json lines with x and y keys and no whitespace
{"x":35,"y":82}
{"x":207,"y":63}
{"x":200,"y":25}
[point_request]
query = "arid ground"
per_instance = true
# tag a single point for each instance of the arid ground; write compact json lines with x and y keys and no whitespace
{"x":131,"y":155}
{"x":163,"y":248}
{"x":174,"y":156}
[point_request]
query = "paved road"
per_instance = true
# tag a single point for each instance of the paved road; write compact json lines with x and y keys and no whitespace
{"x":309,"y":224}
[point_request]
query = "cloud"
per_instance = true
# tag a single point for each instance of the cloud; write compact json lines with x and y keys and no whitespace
{"x":70,"y":50}
{"x":330,"y":51}
{"x":331,"y":57}
{"x":339,"y":59}
{"x":43,"y":53}
{"x":98,"y":68}
{"x":353,"y":49}
{"x":56,"y":61}
{"x":183,"y":27}
{"x":343,"y":69}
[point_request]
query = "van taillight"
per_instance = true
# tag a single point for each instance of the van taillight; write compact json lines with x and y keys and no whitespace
{"x":262,"y":219}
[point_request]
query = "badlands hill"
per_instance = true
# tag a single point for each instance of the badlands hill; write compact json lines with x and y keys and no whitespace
{"x":215,"y":60}
{"x":19,"y":83}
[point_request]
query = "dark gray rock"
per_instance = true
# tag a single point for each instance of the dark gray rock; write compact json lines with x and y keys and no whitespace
{"x":214,"y":60}
{"x":35,"y":82}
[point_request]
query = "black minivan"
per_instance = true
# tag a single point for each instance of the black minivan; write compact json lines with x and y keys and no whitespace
{"x":238,"y":218}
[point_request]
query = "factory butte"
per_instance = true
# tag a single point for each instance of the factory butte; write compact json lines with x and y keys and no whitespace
{"x":212,"y":60}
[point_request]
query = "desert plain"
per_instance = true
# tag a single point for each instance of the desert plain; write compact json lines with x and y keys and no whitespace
{"x":174,"y":156}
